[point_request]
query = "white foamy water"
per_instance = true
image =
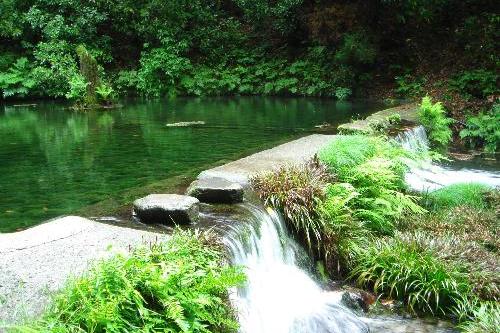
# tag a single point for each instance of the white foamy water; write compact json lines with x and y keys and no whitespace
{"x":428,"y":176}
{"x":279,"y":296}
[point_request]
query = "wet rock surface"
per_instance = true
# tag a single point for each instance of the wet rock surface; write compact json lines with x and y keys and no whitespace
{"x":358,"y":300}
{"x":167,"y":209}
{"x":216,"y":190}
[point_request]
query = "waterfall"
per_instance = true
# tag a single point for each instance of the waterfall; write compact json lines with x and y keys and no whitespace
{"x":428,"y":176}
{"x":414,"y":139}
{"x":279,"y":296}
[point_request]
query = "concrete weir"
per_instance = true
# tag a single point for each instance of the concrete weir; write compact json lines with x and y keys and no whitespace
{"x":293,"y":152}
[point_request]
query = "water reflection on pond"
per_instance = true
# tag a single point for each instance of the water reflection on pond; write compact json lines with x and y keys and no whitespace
{"x":55,"y":161}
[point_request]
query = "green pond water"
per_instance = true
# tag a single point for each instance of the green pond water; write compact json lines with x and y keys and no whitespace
{"x":54,"y":161}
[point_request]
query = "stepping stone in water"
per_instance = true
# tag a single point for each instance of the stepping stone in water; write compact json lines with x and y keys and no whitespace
{"x":216,"y":190}
{"x":167,"y":209}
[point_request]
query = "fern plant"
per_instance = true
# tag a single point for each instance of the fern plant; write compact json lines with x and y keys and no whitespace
{"x":483,"y":130}
{"x":177,"y":286}
{"x":433,"y":118}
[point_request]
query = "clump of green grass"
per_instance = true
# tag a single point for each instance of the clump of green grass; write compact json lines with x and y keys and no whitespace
{"x":478,"y":263}
{"x":406,"y":271}
{"x":485,"y":318}
{"x":462,"y":194}
{"x":294,"y":191}
{"x":177,"y":286}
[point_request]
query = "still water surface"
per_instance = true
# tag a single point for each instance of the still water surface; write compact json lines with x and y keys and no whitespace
{"x":54,"y":161}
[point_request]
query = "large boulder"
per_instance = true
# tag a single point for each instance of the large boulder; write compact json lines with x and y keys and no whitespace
{"x":216,"y":190}
{"x":167,"y":209}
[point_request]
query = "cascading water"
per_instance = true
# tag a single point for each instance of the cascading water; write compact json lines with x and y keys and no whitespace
{"x":280,"y":297}
{"x":427,"y":176}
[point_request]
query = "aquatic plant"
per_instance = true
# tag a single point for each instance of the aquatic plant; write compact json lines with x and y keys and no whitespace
{"x":176,"y":286}
{"x":461,"y":194}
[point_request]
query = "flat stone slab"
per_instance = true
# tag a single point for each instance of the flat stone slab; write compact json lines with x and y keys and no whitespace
{"x":36,"y":262}
{"x":407,"y":112}
{"x":293,"y":152}
{"x":167,"y":209}
{"x":216,"y":190}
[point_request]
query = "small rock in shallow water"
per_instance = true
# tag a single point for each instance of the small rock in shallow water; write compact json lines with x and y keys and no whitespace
{"x":167,"y":209}
{"x":186,"y":123}
{"x":216,"y":190}
{"x":358,"y":300}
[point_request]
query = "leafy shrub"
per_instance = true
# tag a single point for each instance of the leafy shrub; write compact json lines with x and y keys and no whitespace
{"x":55,"y":66}
{"x":342,"y":94}
{"x":478,"y":83}
{"x":462,"y":194}
{"x":484,"y":130}
{"x":295,"y":191}
{"x":408,"y":86}
{"x":77,"y":88}
{"x":177,"y":286}
{"x":17,"y":80}
{"x":433,"y":118}
{"x":356,"y":49}
{"x":406,"y":271}
{"x":348,"y":151}
{"x":161,"y":69}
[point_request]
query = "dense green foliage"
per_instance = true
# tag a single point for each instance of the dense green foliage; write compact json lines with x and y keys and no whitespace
{"x":311,"y":48}
{"x":483,"y":130}
{"x":433,"y":118}
{"x":460,"y":194}
{"x":375,"y":168}
{"x":177,"y":286}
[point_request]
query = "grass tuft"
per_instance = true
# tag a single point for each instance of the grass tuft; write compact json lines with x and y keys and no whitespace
{"x":462,"y":194}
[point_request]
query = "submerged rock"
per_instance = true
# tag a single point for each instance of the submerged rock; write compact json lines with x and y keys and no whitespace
{"x":167,"y":209}
{"x":216,"y":190}
{"x":186,"y":123}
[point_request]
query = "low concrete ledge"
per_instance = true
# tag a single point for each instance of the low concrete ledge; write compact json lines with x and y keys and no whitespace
{"x":36,"y":262}
{"x":407,"y":112}
{"x":293,"y":152}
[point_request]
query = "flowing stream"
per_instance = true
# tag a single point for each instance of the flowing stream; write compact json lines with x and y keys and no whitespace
{"x":279,"y":296}
{"x":428,"y":176}
{"x":282,"y":296}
